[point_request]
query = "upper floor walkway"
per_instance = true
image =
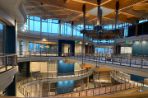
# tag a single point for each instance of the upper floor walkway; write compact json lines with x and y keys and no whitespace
{"x":55,"y":37}
{"x":122,"y":63}
{"x":132,"y":65}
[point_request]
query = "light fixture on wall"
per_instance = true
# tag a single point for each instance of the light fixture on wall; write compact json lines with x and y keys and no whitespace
{"x":44,"y":39}
{"x":41,"y":46}
{"x":47,"y":46}
{"x":24,"y":28}
{"x":144,"y":42}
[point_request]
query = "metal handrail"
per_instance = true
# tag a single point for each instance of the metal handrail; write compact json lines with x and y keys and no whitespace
{"x":22,"y":84}
{"x":118,"y":76}
{"x":94,"y":91}
{"x":60,"y":75}
{"x":141,"y":62}
{"x":116,"y":60}
{"x":7,"y":62}
{"x":99,"y":91}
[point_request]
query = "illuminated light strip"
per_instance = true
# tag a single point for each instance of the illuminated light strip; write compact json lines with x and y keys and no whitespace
{"x":81,"y":1}
{"x":105,"y":2}
{"x":67,"y":1}
{"x":87,"y":15}
{"x":127,"y":14}
{"x":92,"y":19}
{"x":109,"y":18}
{"x":77,"y":16}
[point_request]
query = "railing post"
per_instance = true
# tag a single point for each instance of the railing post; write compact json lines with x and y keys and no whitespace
{"x":112,"y":60}
{"x":142,"y":62}
{"x":120,"y":61}
{"x":130,"y":62}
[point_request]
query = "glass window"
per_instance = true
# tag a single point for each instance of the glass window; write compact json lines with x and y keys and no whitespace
{"x":55,"y":28}
{"x":66,"y":29}
{"x":44,"y":26}
{"x":36,"y":18}
{"x":1,"y":27}
{"x":31,"y":46}
{"x":142,"y":21}
{"x":52,"y":26}
{"x":31,"y":25}
{"x":125,"y":31}
{"x":55,"y":21}
{"x":34,"y":23}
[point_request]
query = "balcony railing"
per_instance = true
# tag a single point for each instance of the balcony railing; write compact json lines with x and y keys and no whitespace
{"x":23,"y":87}
{"x":136,"y":62}
{"x":7,"y":62}
{"x":100,"y":91}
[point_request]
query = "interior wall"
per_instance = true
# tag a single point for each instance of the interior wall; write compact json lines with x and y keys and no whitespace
{"x":126,"y":50}
{"x":66,"y":48}
{"x":140,"y":48}
{"x":104,"y":50}
{"x":78,"y":48}
{"x":60,"y":46}
{"x":89,"y":49}
{"x":65,"y":68}
{"x":43,"y":67}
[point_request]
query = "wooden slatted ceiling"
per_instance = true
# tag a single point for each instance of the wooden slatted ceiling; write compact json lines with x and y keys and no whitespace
{"x":124,"y":17}
{"x":122,"y":3}
{"x":138,"y":10}
{"x":71,"y":5}
{"x":71,"y":10}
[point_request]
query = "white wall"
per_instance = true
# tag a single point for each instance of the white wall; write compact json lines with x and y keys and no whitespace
{"x":126,"y":50}
{"x":78,"y":48}
{"x":43,"y":67}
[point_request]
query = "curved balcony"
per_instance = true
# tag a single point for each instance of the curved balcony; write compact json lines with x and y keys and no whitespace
{"x":55,"y":37}
{"x":51,"y":78}
{"x":7,"y":70}
{"x":7,"y":76}
{"x":123,"y":78}
{"x":100,"y":91}
{"x":124,"y":64}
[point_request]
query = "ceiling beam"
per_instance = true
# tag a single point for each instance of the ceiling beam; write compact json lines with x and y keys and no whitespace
{"x":125,"y":13}
{"x":91,"y":3}
{"x":132,"y":4}
{"x":67,"y":1}
{"x":51,"y":3}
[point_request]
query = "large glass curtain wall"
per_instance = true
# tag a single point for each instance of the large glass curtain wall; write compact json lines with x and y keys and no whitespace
{"x":66,"y":29}
{"x":53,"y":26}
{"x":50,"y":26}
{"x":36,"y":24}
{"x":41,"y":48}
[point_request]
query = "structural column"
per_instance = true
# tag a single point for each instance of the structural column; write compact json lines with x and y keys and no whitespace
{"x":24,"y":68}
{"x":10,"y":40}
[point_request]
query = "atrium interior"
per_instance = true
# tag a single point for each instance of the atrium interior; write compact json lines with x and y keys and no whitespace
{"x":74,"y":48}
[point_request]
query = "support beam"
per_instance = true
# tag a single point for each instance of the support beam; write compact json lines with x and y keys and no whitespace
{"x":84,"y":24}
